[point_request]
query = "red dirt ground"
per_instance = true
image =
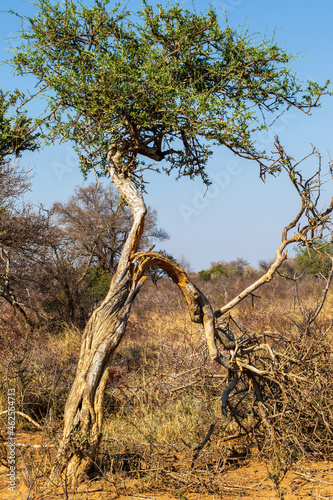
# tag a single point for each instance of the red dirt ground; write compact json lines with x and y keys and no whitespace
{"x":306,"y":481}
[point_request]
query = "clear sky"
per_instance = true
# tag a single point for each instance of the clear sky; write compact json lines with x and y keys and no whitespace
{"x":238,"y":216}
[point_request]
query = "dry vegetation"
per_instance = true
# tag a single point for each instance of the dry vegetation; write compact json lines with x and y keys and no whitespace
{"x":174,"y":421}
{"x":164,"y":426}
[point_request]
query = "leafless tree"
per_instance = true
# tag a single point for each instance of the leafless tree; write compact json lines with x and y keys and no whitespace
{"x":95,"y":226}
{"x":22,"y":235}
{"x":14,"y":182}
{"x":16,"y":136}
{"x":88,"y":233}
{"x":25,"y":239}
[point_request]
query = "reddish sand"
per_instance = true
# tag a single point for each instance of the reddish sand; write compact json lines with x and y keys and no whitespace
{"x":250,"y":482}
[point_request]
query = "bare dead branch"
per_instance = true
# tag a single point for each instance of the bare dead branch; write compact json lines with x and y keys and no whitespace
{"x":201,"y":446}
{"x":227,"y":391}
{"x":26,"y":417}
{"x":316,"y":220}
{"x":5,"y":290}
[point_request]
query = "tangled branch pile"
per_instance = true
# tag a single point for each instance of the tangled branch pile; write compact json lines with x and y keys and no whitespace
{"x":291,"y":404}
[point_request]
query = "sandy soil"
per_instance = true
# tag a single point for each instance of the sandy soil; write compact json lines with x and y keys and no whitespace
{"x":247,"y":482}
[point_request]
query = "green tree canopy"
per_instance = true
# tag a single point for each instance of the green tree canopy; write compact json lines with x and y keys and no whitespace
{"x":223,"y":268}
{"x":167,"y":84}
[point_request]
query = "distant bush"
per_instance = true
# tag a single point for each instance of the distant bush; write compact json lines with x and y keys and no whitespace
{"x":213,"y":273}
{"x":315,"y":262}
{"x":222,"y":268}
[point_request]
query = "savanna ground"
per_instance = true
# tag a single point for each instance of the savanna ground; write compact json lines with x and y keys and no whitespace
{"x":165,"y":436}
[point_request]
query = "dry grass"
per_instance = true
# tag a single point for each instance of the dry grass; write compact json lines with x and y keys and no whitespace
{"x":164,"y":394}
{"x":41,"y":369}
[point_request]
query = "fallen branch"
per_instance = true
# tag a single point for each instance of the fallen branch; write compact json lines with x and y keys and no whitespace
{"x":312,"y":479}
{"x":26,"y":417}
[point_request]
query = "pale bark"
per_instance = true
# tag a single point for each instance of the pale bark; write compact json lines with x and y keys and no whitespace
{"x":36,"y":424}
{"x":104,"y":331}
{"x":267,"y":277}
{"x":5,"y":290}
{"x":84,"y":408}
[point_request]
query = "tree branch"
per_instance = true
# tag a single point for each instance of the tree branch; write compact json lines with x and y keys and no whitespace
{"x":316,"y":221}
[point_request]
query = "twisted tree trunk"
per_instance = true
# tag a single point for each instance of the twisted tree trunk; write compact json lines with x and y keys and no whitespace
{"x":84,"y":407}
{"x":102,"y":334}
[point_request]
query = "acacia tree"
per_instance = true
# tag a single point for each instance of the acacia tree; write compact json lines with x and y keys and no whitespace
{"x":163,"y":87}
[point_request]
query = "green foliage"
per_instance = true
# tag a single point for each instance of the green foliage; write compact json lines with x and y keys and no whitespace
{"x":315,"y":261}
{"x":16,"y":133}
{"x":213,"y":273}
{"x":281,"y":464}
{"x":232,"y":268}
{"x":72,"y":299}
{"x":98,"y":281}
{"x":168,"y":84}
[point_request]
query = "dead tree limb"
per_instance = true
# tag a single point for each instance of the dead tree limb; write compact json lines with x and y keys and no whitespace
{"x":315,"y":224}
{"x":198,"y":449}
{"x":309,"y":224}
{"x":106,"y":326}
{"x":26,"y":417}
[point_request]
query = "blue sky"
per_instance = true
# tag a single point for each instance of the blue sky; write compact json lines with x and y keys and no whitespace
{"x":238,"y":216}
